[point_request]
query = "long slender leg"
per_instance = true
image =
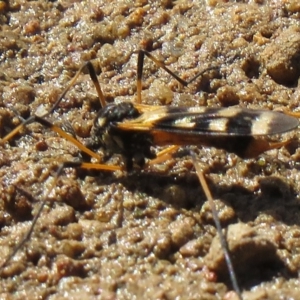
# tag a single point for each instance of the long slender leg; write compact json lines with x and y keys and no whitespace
{"x":94,"y":79}
{"x":223,"y":241}
{"x":63,"y":134}
{"x":163,"y":155}
{"x":41,"y":119}
{"x":140,"y":65}
{"x":47,"y":124}
{"x":291,"y":113}
{"x":82,"y":165}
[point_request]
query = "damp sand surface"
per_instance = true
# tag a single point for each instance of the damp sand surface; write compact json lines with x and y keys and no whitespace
{"x":149,"y":234}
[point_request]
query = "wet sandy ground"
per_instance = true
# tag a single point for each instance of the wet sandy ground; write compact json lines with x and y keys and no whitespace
{"x":150,"y":234}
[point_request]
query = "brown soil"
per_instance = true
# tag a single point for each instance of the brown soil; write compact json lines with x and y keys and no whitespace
{"x":150,"y":234}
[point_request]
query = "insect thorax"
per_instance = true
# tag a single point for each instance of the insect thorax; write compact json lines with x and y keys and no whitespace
{"x":132,"y":145}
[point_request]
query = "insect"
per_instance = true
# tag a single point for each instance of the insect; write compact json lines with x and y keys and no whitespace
{"x":132,"y":129}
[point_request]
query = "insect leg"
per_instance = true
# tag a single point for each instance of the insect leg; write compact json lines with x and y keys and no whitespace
{"x":25,"y":238}
{"x":141,"y":56}
{"x":223,"y":241}
{"x":94,"y":79}
{"x":71,"y":139}
{"x":258,"y":146}
{"x":291,"y":113}
{"x":163,"y":155}
{"x":63,"y":134}
{"x":64,"y":165}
